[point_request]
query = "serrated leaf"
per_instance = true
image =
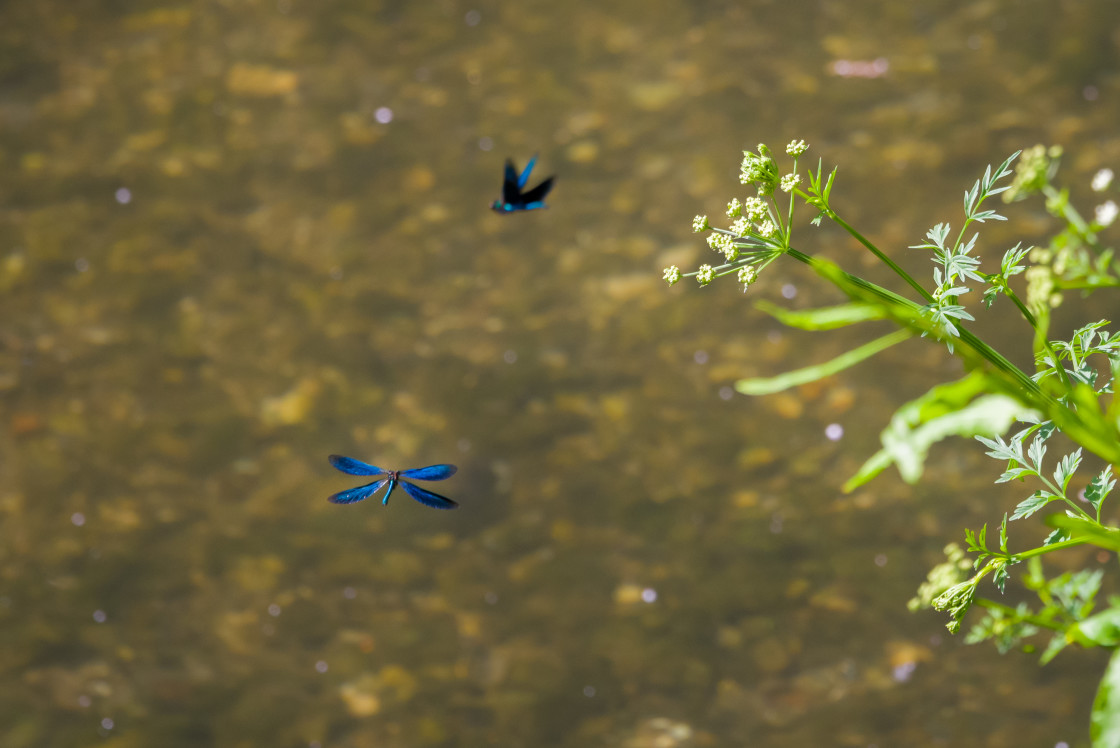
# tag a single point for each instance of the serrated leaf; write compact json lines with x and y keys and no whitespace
{"x":938,"y":234}
{"x":1035,"y":453}
{"x":1032,"y":504}
{"x":1013,"y":473}
{"x":1000,"y":578}
{"x":1066,"y":468}
{"x":970,"y":198}
{"x":988,"y":215}
{"x":1002,"y":451}
{"x":1099,"y":487}
{"x":1057,"y":536}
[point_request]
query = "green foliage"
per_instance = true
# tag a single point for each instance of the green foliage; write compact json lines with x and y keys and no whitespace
{"x":961,"y":408}
{"x":1069,"y":392}
{"x":1104,"y":727}
{"x":819,"y":371}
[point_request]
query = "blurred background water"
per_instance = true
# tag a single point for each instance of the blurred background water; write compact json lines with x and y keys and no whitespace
{"x":236,"y":237}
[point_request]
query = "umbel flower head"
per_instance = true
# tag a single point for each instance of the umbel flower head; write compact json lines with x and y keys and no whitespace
{"x":747,"y":275}
{"x":757,"y":233}
{"x":796,"y":148}
{"x":759,"y":169}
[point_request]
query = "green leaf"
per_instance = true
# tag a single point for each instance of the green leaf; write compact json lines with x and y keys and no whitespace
{"x":1058,"y":536}
{"x":946,"y":410}
{"x":1036,"y":452}
{"x":824,"y":318}
{"x":1066,"y":468}
{"x":1014,"y":473}
{"x":1000,"y":578}
{"x":1103,"y":629}
{"x":1057,"y":643}
{"x":1032,"y":504}
{"x":1100,"y":536}
{"x":988,"y":215}
{"x":1099,"y":487}
{"x":770,"y":385}
{"x":1012,"y":452}
{"x":936,"y":236}
{"x":1104,"y":726}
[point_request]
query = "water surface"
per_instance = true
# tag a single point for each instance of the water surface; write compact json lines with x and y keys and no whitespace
{"x":235,"y":238}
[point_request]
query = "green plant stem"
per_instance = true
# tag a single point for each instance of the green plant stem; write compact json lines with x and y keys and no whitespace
{"x":1096,"y":436}
{"x":1054,"y":489}
{"x":1030,"y":318}
{"x":878,"y":253}
{"x":1049,"y":548}
{"x":1106,"y":281}
{"x":984,"y":602}
{"x":912,"y":311}
{"x":1021,"y":306}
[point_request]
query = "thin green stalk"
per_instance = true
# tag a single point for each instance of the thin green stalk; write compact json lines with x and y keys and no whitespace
{"x":1105,"y":281}
{"x":1015,"y":382}
{"x":792,"y":203}
{"x":913,"y":310}
{"x":1050,"y":548}
{"x":878,"y":253}
{"x":1030,"y":318}
{"x":984,"y":602}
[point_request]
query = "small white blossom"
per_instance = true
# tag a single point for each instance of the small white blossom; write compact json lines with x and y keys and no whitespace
{"x":700,"y":223}
{"x":767,"y":229}
{"x":720,"y":242}
{"x":796,"y":148}
{"x":734,"y":208}
{"x":731,"y":252}
{"x":1102,"y":179}
{"x":705,"y":274}
{"x":754,"y":209}
{"x":740,"y":226}
{"x":751,"y":170}
{"x":672,"y":274}
{"x":1106,"y":213}
{"x":789,"y":181}
{"x":747,"y":276}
